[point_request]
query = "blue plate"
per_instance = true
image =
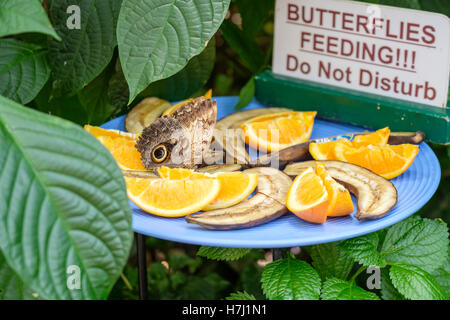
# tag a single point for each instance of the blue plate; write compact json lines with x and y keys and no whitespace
{"x":415,"y":187}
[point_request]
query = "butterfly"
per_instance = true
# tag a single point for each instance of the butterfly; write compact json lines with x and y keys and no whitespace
{"x":180,"y":140}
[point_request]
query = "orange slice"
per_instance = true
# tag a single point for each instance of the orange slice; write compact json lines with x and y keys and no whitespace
{"x":172,"y":198}
{"x":340,"y":201}
{"x":121,"y":145}
{"x":377,"y":138}
{"x":172,"y":109}
{"x":325,"y":150}
{"x":234,"y":187}
{"x":279,"y":130}
{"x":388,"y":161}
{"x":308,"y":197}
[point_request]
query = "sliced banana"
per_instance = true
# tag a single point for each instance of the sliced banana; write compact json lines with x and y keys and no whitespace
{"x":267,"y":204}
{"x":145,"y":113}
{"x":228,"y":133}
{"x":215,"y":168}
{"x":376,"y":195}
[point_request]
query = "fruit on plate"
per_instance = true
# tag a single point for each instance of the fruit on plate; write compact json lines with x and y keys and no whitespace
{"x":228,"y":132}
{"x":340,"y":201}
{"x":376,"y":196}
{"x":172,"y":198}
{"x":145,"y":113}
{"x":267,"y":204}
{"x":387,"y":161}
{"x":326,"y":150}
{"x":308,"y":197}
{"x":234,"y":186}
{"x":377,"y":138}
{"x":172,"y":109}
{"x":274,"y":132}
{"x":121,"y":145}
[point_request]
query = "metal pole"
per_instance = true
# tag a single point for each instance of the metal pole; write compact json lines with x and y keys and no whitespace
{"x":142,"y":265}
{"x":279,"y":253}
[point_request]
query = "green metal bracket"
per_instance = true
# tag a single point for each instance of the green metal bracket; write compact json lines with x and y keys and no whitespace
{"x":357,"y":108}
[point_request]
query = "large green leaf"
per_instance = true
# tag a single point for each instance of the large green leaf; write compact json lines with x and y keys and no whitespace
{"x":23,"y":70}
{"x":189,"y":80}
{"x":442,"y":276}
{"x":83,"y":53}
{"x":337,"y":289}
{"x":247,"y":50}
{"x":415,"y":283}
{"x":63,"y":205}
{"x":364,"y":250}
{"x":246,"y":94}
{"x":11,"y":286}
{"x":417,"y":241}
{"x":19,"y":16}
{"x":95,"y":99}
{"x":218,"y":253}
{"x":157,"y":38}
{"x":69,"y":108}
{"x":331,"y":261}
{"x":290,"y":279}
{"x":388,"y":291}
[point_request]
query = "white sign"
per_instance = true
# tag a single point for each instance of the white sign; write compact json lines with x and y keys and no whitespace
{"x":394,"y":52}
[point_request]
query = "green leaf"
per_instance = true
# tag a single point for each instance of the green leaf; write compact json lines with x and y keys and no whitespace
{"x":23,"y":70}
{"x":218,"y":253}
{"x":364,"y":250}
{"x":415,"y":283}
{"x":417,"y":241}
{"x":331,"y":261}
{"x":440,"y":6}
{"x":189,"y":80}
{"x":337,"y":289}
{"x":246,"y":95}
{"x":95,"y":99}
{"x":240,"y":296}
{"x":11,"y":286}
{"x":290,"y":279}
{"x":254,"y":17}
{"x":83,"y":53}
{"x":442,"y":276}
{"x":207,"y":287}
{"x":69,"y":108}
{"x":388,"y":291}
{"x":251,"y":280}
{"x":248,"y":50}
{"x":63,"y":203}
{"x":158,"y":38}
{"x":20,"y":16}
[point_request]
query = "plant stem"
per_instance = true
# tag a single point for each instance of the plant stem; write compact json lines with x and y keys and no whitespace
{"x":357,"y":273}
{"x":125,"y":280}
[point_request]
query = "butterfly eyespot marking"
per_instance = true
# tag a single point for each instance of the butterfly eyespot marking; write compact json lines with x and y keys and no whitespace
{"x":159,"y":153}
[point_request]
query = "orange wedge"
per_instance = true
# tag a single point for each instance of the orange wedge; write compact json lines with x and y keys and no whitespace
{"x":325,"y":150}
{"x":340,"y":201}
{"x":279,"y":130}
{"x":121,"y":145}
{"x":234,"y":187}
{"x":377,"y":138}
{"x":388,"y":161}
{"x":308,"y":197}
{"x":172,"y":109}
{"x":172,"y":198}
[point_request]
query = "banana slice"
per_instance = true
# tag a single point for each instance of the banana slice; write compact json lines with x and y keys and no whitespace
{"x":376,"y":195}
{"x":215,"y":168}
{"x":267,"y":204}
{"x":228,"y":133}
{"x":145,"y":113}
